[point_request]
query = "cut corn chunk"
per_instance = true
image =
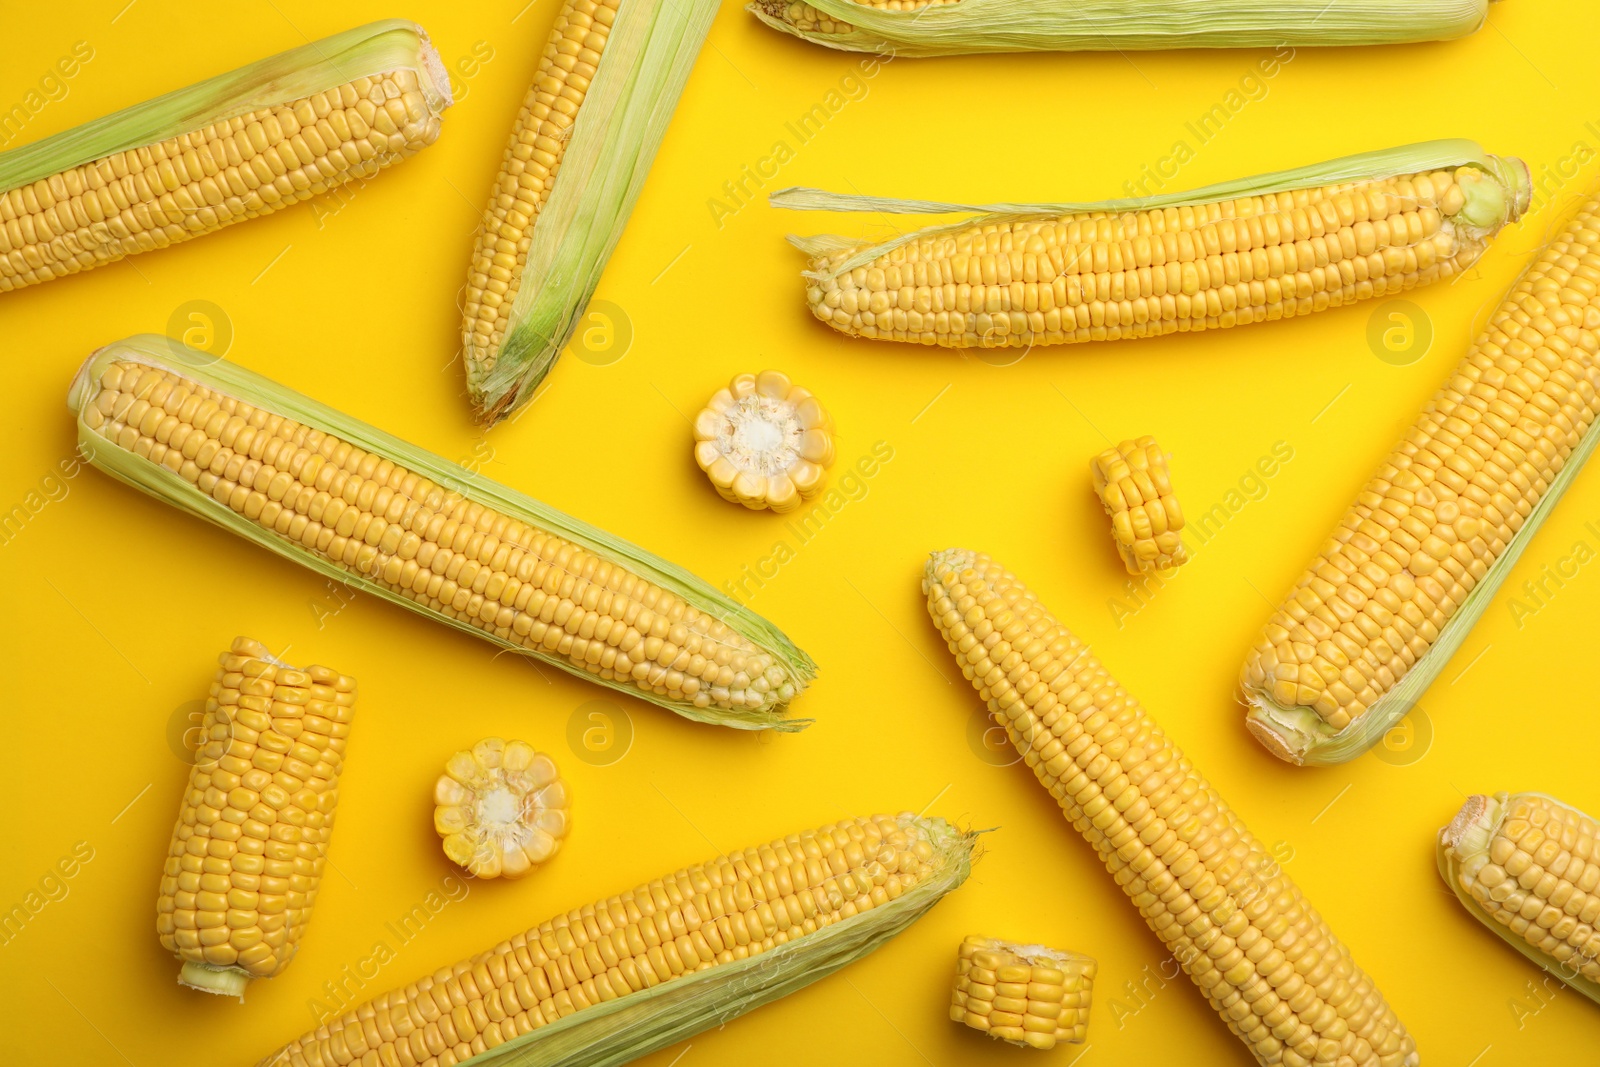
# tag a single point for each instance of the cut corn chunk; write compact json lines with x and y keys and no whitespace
{"x":1028,"y":995}
{"x":1528,"y":866}
{"x":252,"y":835}
{"x":764,"y":442}
{"x":951,"y":27}
{"x":1263,"y":957}
{"x":1415,"y":560}
{"x":385,"y":517}
{"x":577,"y":157}
{"x":242,"y":144}
{"x":1135,"y":488}
{"x":1254,"y":250}
{"x":615,"y":980}
{"x":501,"y":808}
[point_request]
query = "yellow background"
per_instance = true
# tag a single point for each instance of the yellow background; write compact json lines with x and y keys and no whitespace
{"x":116,"y":605}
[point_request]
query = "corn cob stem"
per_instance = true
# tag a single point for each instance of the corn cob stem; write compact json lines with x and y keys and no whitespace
{"x":334,"y":494}
{"x":240,"y":145}
{"x":248,"y":849}
{"x":1254,"y":250}
{"x":950,"y":27}
{"x":612,"y":981}
{"x":1417,"y":558}
{"x":1263,"y":957}
{"x":610,"y":77}
{"x":1525,"y":865}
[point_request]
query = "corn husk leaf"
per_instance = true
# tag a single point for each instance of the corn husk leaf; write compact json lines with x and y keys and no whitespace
{"x":1125,"y":25}
{"x":232,"y":379}
{"x":619,"y":1031}
{"x":1511,"y":175}
{"x":1472,"y":830}
{"x":624,"y":116}
{"x":376,"y":48}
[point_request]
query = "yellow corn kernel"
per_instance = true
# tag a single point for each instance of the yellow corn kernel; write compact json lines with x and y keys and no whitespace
{"x":1380,"y":609}
{"x":644,"y":969}
{"x":1223,"y":907}
{"x":501,"y":808}
{"x":1135,"y":488}
{"x":764,"y":442}
{"x":997,"y":981}
{"x":252,"y":834}
{"x":1528,"y":867}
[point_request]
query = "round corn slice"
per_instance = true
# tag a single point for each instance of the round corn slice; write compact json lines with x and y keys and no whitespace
{"x":1029,"y":995}
{"x":764,"y":442}
{"x":501,"y":808}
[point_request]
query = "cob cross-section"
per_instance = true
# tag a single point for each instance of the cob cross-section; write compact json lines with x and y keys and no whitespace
{"x":385,"y":517}
{"x":242,"y":144}
{"x":950,"y":27}
{"x":578,"y":155}
{"x":1415,"y":560}
{"x":1253,"y":250}
{"x":1528,"y":867}
{"x":252,"y":834}
{"x":1236,"y":924}
{"x":612,"y":981}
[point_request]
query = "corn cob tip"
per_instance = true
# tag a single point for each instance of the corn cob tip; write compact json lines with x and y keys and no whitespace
{"x":433,"y":68}
{"x":1284,"y":732}
{"x":1472,"y":825}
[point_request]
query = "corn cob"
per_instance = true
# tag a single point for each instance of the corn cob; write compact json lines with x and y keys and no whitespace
{"x":252,"y":834}
{"x":609,"y":79}
{"x":240,"y":145}
{"x":1255,"y":250}
{"x":764,"y":442}
{"x":950,"y":27}
{"x":1135,"y":488}
{"x":385,"y":517}
{"x":1528,"y":867}
{"x":612,"y":981}
{"x":1028,"y":995}
{"x":501,"y":808}
{"x":1413,"y":563}
{"x":1262,"y":956}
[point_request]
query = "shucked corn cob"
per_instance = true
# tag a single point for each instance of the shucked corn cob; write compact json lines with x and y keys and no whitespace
{"x":1255,"y":250}
{"x":606,"y":86}
{"x":1415,"y":560}
{"x":617,"y":979}
{"x":1528,"y":867}
{"x":252,"y":835}
{"x":368,"y":510}
{"x":1134,"y":487}
{"x":1232,"y":919}
{"x":1028,"y":995}
{"x":944,"y":27}
{"x":764,"y":442}
{"x":242,"y":144}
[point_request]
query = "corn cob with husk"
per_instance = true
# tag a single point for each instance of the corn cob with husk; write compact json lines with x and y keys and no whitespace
{"x":1253,"y":250}
{"x":247,"y":852}
{"x":242,"y":144}
{"x":578,"y":155}
{"x":615,"y":980}
{"x":1396,"y":588}
{"x":950,"y":27}
{"x":1528,"y":867}
{"x":1263,"y":957}
{"x":382,"y":516}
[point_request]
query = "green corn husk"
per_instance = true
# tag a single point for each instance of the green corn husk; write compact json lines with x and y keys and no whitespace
{"x":618,"y":1031}
{"x":232,"y":380}
{"x":970,"y":26}
{"x":366,"y":51}
{"x":641,"y":74}
{"x":1300,"y":736}
{"x":1503,"y":202}
{"x":1465,"y":842}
